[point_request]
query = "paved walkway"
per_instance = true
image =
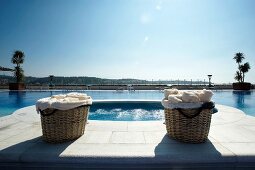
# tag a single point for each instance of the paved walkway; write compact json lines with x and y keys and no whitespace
{"x":128,"y":144}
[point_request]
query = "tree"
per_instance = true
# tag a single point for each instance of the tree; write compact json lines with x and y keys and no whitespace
{"x":244,"y":69}
{"x":239,"y":58}
{"x":238,"y":76}
{"x":18,"y":59}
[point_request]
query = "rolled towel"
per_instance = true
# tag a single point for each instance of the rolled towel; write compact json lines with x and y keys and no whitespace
{"x":59,"y":96}
{"x":63,"y":102}
{"x":168,"y":92}
{"x":174,"y":99}
{"x":80,"y":96}
{"x":70,"y":100}
{"x":66,"y":104}
{"x":205,"y":95}
{"x":44,"y":103}
{"x":190,"y":97}
{"x":179,"y":96}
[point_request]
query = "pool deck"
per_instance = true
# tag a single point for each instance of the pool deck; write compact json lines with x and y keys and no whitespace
{"x":128,"y":145}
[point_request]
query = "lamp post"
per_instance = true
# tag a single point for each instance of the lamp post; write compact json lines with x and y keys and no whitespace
{"x":51,"y":79}
{"x":210,"y":76}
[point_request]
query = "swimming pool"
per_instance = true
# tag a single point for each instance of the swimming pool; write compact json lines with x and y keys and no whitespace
{"x":11,"y":101}
{"x":126,"y":110}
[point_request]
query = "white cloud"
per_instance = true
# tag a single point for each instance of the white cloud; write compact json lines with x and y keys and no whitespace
{"x":145,"y":41}
{"x":159,"y":6}
{"x":146,"y":38}
{"x":145,"y":18}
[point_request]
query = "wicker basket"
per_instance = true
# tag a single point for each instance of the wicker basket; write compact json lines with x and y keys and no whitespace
{"x":63,"y":125}
{"x":188,"y":125}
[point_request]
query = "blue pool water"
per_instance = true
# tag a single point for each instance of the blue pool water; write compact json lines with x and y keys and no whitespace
{"x":126,"y":111}
{"x":11,"y":101}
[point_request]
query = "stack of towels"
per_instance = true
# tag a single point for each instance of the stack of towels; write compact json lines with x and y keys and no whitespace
{"x":186,"y":99}
{"x":64,"y":101}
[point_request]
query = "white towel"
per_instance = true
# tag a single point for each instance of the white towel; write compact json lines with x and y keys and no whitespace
{"x":60,"y":96}
{"x":205,"y":95}
{"x":186,"y":99}
{"x":44,"y":103}
{"x":80,"y":96}
{"x":190,"y":97}
{"x":174,"y":99}
{"x":63,"y":102}
{"x":168,"y":92}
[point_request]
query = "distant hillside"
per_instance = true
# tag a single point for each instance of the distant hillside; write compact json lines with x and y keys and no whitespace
{"x":72,"y":80}
{"x":4,"y":80}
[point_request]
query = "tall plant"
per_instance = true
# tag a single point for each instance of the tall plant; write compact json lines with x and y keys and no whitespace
{"x":242,"y":68}
{"x":18,"y":59}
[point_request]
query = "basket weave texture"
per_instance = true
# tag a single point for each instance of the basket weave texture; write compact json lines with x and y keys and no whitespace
{"x":63,"y":125}
{"x":187,"y":128}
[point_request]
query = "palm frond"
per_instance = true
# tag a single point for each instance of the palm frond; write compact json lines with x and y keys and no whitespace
{"x":239,"y":57}
{"x":238,"y":76}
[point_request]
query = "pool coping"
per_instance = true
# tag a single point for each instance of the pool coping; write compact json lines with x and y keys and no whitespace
{"x":132,"y":144}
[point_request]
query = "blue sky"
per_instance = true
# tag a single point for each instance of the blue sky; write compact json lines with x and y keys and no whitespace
{"x":145,"y":39}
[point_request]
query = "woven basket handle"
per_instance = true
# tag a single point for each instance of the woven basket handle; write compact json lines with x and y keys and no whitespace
{"x":207,"y":105}
{"x":47,"y":114}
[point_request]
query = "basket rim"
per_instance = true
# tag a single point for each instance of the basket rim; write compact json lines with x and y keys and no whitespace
{"x":42,"y":112}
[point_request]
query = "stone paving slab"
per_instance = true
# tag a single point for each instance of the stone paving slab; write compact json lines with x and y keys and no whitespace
{"x":134,"y":144}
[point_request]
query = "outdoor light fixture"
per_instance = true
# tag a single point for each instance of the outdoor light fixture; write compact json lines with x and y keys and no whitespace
{"x":210,"y":76}
{"x":51,"y":79}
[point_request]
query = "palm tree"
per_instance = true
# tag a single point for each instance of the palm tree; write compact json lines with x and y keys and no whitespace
{"x":240,"y":73}
{"x":238,"y":76}
{"x":244,"y":69}
{"x":239,"y":58}
{"x":18,"y":58}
